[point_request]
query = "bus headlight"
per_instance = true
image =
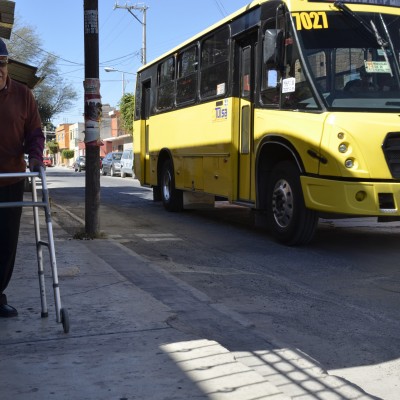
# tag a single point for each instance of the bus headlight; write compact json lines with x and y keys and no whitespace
{"x":343,"y":147}
{"x":361,"y":195}
{"x":349,"y":163}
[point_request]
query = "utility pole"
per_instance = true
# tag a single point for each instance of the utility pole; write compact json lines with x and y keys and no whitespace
{"x":143,"y":8}
{"x":93,"y":111}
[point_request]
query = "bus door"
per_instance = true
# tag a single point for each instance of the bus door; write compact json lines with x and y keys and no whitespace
{"x":246,"y":56}
{"x":146,"y":90}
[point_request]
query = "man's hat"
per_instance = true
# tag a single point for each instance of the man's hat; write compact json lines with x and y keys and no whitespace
{"x":3,"y":48}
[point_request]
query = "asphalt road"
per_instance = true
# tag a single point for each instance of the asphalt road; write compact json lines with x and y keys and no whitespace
{"x":335,"y":301}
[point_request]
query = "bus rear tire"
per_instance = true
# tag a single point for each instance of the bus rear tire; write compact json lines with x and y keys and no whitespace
{"x":289,"y":221}
{"x":172,"y":198}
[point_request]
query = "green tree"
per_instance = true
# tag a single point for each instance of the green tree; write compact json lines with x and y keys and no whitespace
{"x":53,"y":94}
{"x":68,"y":154}
{"x":127,"y":108}
{"x":53,"y":147}
{"x":49,"y":126}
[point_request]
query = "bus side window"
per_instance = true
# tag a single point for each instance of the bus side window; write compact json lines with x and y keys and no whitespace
{"x":271,"y":75}
{"x":214,"y":64}
{"x":138,"y":98}
{"x":301,"y":96}
{"x":186,"y":84}
{"x":166,"y":83}
{"x":296,"y":90}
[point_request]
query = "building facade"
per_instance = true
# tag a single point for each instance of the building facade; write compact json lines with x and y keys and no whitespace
{"x":63,"y":140}
{"x":113,"y":137}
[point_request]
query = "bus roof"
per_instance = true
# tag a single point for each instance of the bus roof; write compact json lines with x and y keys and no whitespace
{"x":221,"y":22}
{"x":256,"y":3}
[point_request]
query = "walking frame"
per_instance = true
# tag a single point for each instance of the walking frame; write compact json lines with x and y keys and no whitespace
{"x":61,"y":313}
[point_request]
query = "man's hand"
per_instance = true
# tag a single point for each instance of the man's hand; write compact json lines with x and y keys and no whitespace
{"x":34,"y":165}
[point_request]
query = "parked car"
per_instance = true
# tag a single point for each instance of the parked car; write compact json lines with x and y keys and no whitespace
{"x":127,"y":163}
{"x":112,"y":164}
{"x":47,"y":161}
{"x":79,"y":164}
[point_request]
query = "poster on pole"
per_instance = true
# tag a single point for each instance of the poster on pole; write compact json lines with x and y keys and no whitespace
{"x":93,"y":111}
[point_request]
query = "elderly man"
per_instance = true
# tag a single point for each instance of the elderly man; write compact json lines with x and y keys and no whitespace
{"x":20,"y":132}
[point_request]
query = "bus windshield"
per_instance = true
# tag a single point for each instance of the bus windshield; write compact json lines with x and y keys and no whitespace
{"x":353,"y":59}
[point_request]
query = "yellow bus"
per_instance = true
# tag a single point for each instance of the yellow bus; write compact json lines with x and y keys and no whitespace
{"x":290,"y":107}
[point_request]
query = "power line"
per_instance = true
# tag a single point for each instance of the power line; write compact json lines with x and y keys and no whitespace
{"x":47,"y":52}
{"x":133,"y":54}
{"x":221,"y":8}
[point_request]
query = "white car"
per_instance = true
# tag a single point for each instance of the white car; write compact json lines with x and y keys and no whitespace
{"x":127,"y":163}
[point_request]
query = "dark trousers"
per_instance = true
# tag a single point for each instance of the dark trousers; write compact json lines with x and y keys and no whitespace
{"x":9,"y":231}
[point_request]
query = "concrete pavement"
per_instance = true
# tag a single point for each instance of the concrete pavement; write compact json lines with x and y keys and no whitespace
{"x":131,"y":337}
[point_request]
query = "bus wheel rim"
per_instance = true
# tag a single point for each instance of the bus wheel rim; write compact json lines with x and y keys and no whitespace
{"x":282,"y":203}
{"x":167,"y":186}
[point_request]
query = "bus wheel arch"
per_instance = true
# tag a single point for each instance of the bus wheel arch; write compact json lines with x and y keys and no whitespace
{"x":273,"y":150}
{"x":280,"y":196}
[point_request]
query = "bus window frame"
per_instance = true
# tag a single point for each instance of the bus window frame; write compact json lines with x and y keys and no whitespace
{"x":203,"y":69}
{"x":163,"y":84}
{"x":194,"y":74}
{"x":264,"y":70}
{"x":138,"y":98}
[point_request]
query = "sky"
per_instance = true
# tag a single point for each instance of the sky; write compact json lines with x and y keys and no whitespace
{"x":59,"y":25}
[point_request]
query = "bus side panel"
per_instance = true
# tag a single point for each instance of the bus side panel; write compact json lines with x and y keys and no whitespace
{"x":193,"y":178}
{"x":138,"y":153}
{"x":198,"y":147}
{"x":219,"y":170}
{"x":302,"y":130}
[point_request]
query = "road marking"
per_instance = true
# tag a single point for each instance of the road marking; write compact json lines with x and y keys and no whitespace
{"x":144,"y":195}
{"x":157,"y":237}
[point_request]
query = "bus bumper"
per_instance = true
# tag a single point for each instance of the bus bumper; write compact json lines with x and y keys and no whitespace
{"x":352,"y":198}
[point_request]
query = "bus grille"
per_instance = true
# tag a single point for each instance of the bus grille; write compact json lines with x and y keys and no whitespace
{"x":391,"y":149}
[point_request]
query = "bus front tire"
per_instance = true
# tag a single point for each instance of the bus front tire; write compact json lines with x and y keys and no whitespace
{"x":172,"y":198}
{"x":289,"y":221}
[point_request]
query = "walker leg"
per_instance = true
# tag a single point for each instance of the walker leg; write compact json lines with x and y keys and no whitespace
{"x":65,"y":320}
{"x":39,"y":252}
{"x":62,"y":315}
{"x":56,"y":288}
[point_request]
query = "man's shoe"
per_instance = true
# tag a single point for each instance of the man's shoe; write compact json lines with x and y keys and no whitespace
{"x":7,"y":311}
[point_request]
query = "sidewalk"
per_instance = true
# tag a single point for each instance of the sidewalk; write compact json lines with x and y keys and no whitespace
{"x":130,"y":335}
{"x":120,"y":345}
